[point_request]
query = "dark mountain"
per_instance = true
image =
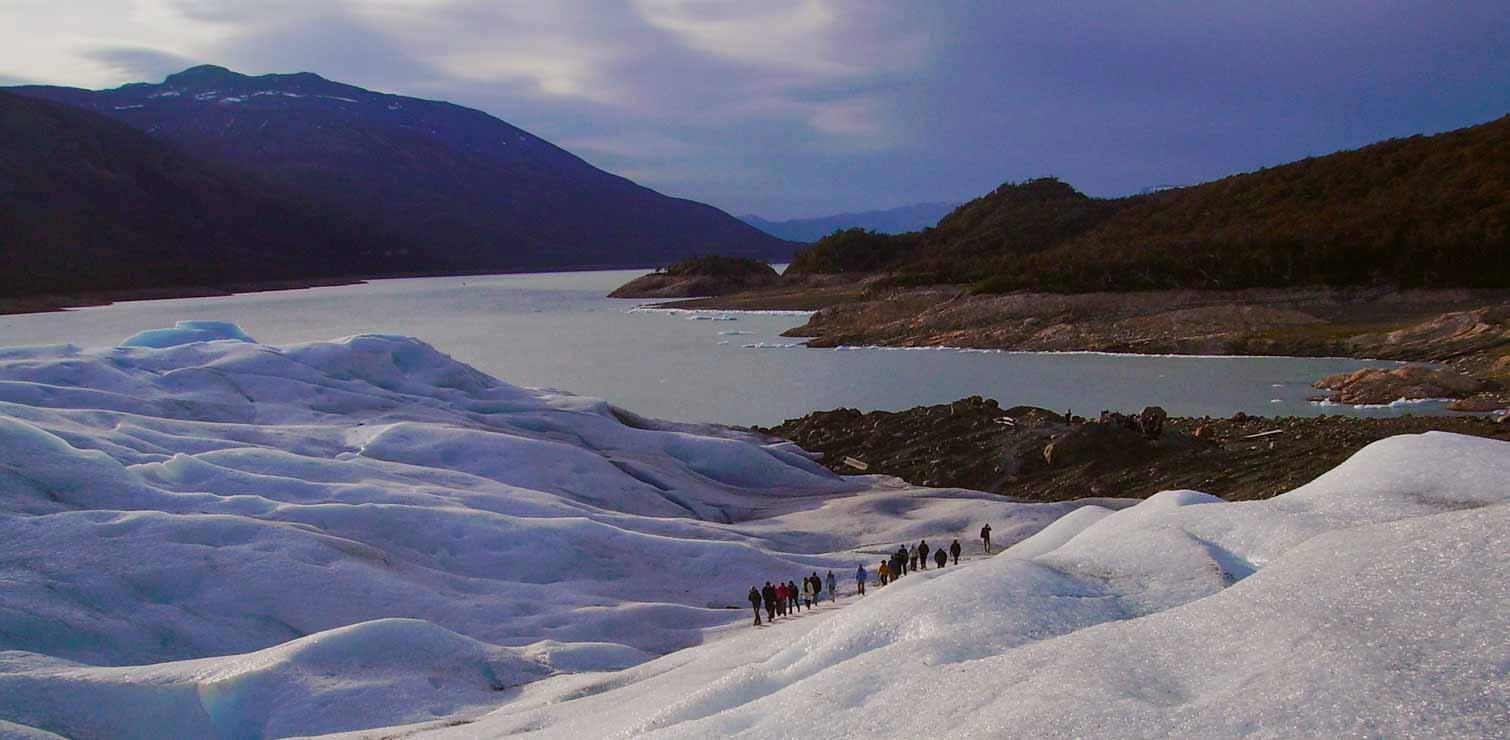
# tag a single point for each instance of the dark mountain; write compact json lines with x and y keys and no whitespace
{"x":890,"y":221}
{"x":89,"y":204}
{"x":1425,"y":211}
{"x":464,"y":190}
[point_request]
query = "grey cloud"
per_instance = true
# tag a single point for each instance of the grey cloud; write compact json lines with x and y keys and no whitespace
{"x":902,"y":101}
{"x":135,"y":63}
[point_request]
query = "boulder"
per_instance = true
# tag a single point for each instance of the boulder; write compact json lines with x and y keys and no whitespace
{"x":1097,"y":441}
{"x":1380,"y":385}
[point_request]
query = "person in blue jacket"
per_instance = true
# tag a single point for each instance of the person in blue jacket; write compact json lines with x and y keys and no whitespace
{"x":860,"y":576}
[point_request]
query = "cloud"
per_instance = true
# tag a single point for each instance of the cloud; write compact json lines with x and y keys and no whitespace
{"x":801,"y":107}
{"x":137,"y":63}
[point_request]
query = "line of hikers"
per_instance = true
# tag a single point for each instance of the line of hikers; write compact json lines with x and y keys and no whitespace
{"x":907,"y":559}
{"x":787,"y":598}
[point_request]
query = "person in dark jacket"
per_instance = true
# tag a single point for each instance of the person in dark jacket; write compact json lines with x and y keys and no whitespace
{"x":833,"y":588}
{"x":902,"y":560}
{"x":954,"y":549}
{"x":791,"y":588}
{"x":941,"y":557}
{"x":817,"y":586}
{"x":768,"y":595}
{"x":923,"y":554}
{"x":985,"y":535}
{"x":755,"y":603}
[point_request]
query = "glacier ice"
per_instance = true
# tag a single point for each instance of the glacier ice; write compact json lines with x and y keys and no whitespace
{"x":208,"y":537}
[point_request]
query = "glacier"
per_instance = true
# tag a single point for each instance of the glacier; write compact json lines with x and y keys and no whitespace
{"x":201,"y":535}
{"x":204,"y":536}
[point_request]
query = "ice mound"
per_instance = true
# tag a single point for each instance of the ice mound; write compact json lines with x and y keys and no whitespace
{"x":199,"y":508}
{"x":185,"y":332}
{"x":381,"y":672}
{"x":1367,"y":603}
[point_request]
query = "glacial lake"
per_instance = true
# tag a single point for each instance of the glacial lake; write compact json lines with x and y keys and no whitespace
{"x":557,"y":330}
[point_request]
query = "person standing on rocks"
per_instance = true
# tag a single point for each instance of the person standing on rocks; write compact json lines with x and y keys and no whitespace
{"x":954,"y":549}
{"x":941,"y":557}
{"x":923,"y":554}
{"x":833,"y":590}
{"x":985,"y":536}
{"x":755,"y":603}
{"x":860,"y":576}
{"x":768,"y":595}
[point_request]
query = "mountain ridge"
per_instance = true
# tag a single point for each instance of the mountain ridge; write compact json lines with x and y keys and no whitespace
{"x":901,"y":219}
{"x":462,"y":190}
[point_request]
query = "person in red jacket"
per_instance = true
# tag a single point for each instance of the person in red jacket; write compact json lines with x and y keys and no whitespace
{"x":781,"y":599}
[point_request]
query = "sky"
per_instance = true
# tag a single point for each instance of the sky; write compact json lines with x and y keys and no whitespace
{"x":796,"y":108}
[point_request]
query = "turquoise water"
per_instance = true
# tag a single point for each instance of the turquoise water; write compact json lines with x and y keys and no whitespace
{"x":557,"y":330}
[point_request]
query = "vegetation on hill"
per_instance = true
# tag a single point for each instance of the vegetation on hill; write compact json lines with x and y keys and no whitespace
{"x":855,"y":250}
{"x":1417,"y":212}
{"x":718,"y":266}
{"x":701,"y":276}
{"x":89,"y":204}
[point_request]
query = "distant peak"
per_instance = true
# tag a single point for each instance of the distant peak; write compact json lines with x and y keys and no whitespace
{"x":203,"y":74}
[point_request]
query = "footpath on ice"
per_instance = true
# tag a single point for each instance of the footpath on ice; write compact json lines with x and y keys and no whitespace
{"x":204,"y":536}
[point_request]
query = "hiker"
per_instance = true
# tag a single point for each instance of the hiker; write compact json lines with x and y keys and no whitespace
{"x":954,"y":549}
{"x":884,"y":572}
{"x":912,"y":558}
{"x":807,"y":592}
{"x":791,"y":588}
{"x":985,"y":534}
{"x":923,"y":553}
{"x":780,"y":599}
{"x":768,"y":595}
{"x":755,"y":603}
{"x":941,"y":557}
{"x":901,"y":566}
{"x":833,"y":588}
{"x":860,"y":576}
{"x":817,"y":587}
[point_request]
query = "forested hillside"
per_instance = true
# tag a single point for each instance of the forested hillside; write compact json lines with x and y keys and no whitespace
{"x":89,"y":204}
{"x":1417,"y":212}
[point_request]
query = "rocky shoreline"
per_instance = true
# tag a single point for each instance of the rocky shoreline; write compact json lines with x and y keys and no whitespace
{"x":1465,"y":332}
{"x":1040,"y":455}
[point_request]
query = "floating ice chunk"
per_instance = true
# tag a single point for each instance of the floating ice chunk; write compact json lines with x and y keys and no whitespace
{"x":187,"y":332}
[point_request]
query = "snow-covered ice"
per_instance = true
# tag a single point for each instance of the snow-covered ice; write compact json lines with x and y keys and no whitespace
{"x":1369,"y":603}
{"x":201,"y":535}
